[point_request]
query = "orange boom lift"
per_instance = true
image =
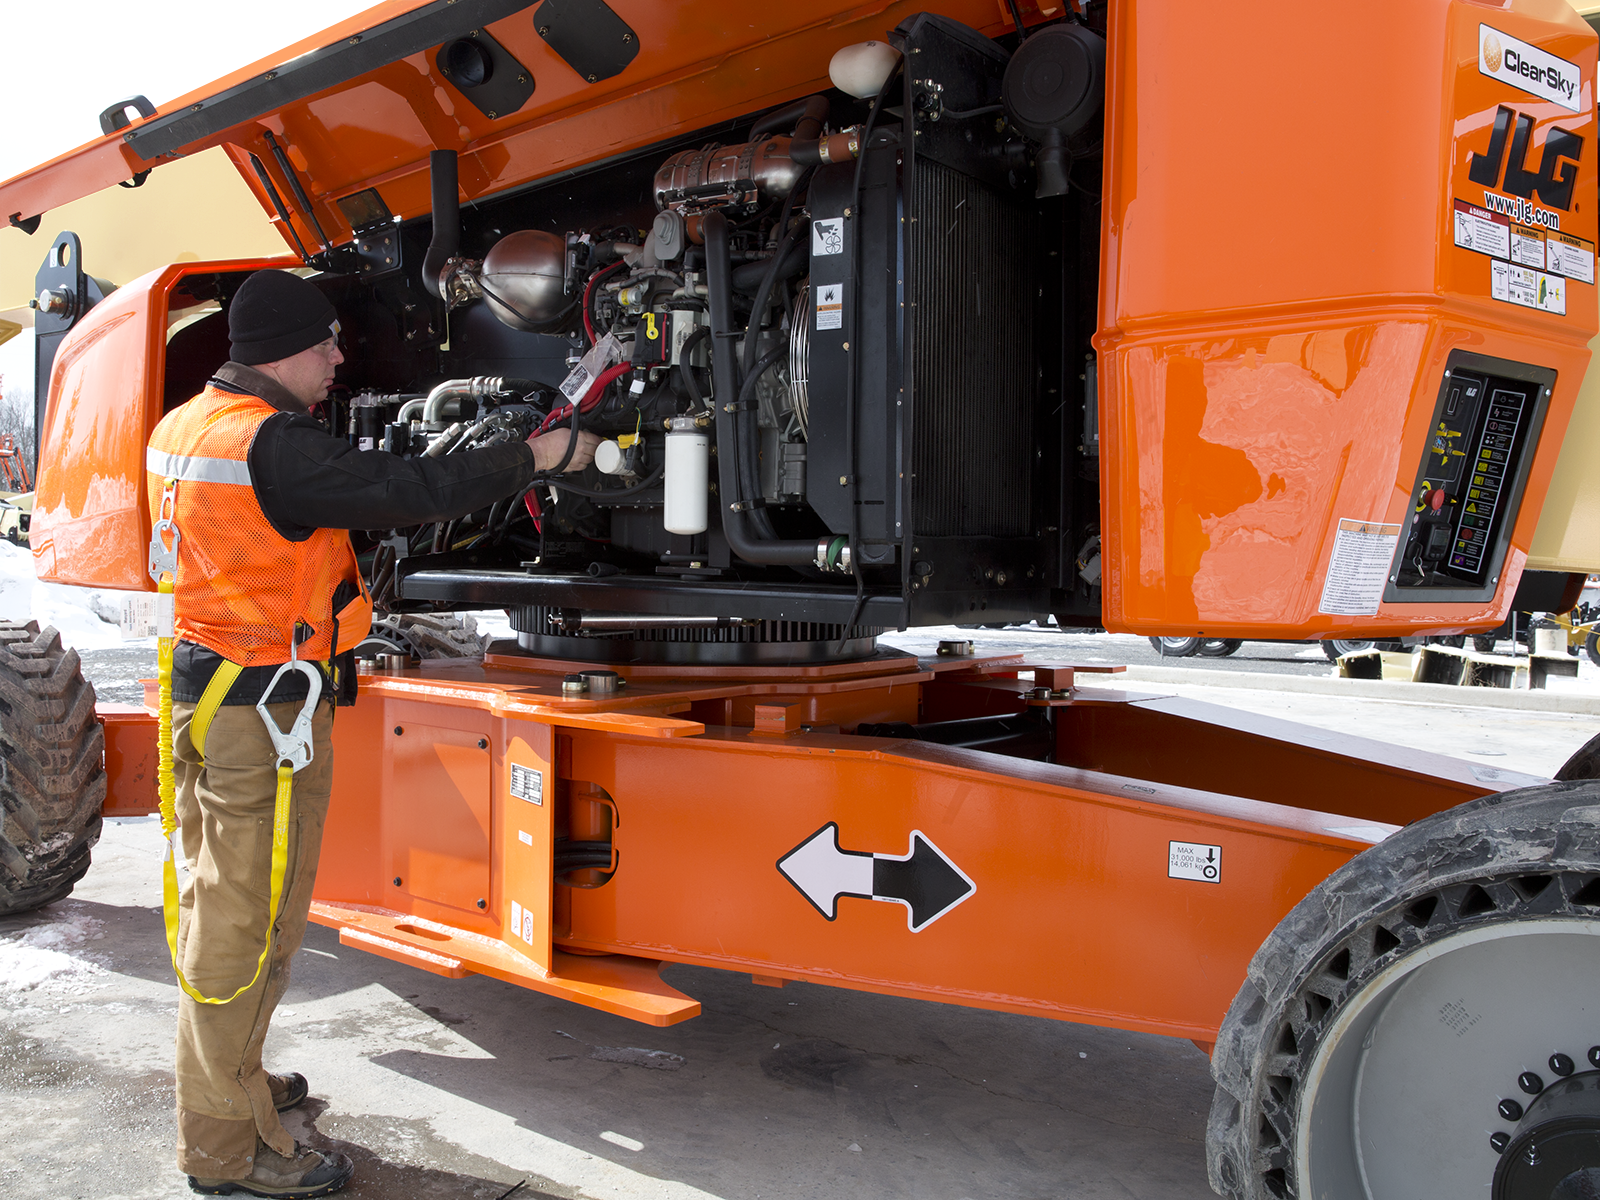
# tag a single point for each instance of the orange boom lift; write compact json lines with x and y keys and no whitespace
{"x":1260,"y":321}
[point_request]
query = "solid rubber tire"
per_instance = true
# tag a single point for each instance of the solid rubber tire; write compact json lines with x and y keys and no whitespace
{"x":1182,"y":648}
{"x":1387,"y":903}
{"x":53,"y":785}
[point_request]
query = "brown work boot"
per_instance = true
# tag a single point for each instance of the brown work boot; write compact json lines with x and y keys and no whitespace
{"x":287,"y":1090}
{"x":307,"y":1173}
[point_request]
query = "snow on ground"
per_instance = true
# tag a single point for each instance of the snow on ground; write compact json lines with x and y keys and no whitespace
{"x":85,"y":617}
{"x":49,"y":958}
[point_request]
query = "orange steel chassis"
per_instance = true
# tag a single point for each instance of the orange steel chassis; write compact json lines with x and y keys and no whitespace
{"x":702,"y":779}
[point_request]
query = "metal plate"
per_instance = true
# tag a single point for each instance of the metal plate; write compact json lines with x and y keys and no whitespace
{"x":588,"y":35}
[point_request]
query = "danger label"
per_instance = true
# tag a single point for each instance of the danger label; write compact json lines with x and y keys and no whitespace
{"x":1194,"y":860}
{"x":527,"y":784}
{"x":1484,"y":232}
{"x":830,"y":306}
{"x":1362,"y":551}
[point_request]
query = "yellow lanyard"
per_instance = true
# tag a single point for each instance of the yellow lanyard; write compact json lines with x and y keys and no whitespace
{"x":164,"y":570}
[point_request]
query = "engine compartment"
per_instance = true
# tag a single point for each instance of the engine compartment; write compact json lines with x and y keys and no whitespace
{"x":839,"y":354}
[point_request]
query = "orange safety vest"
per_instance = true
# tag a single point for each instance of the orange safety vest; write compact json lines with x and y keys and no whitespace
{"x":242,"y":586}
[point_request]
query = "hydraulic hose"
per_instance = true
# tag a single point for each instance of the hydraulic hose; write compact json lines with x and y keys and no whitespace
{"x":725,"y":375}
{"x":686,"y":371}
{"x":446,"y":243}
{"x":749,"y":437}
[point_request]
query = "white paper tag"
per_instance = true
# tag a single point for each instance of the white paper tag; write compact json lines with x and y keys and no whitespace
{"x":516,"y":919}
{"x":165,"y":615}
{"x":591,"y":366}
{"x":524,"y":837}
{"x":1362,"y":552}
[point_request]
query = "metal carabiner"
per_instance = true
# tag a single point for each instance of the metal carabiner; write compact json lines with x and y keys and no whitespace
{"x":294,"y":747}
{"x":164,"y":561}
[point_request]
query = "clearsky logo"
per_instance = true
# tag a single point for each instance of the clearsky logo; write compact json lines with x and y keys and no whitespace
{"x":1529,"y":69}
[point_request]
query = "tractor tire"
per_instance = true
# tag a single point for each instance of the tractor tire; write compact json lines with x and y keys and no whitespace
{"x":1396,"y":1033}
{"x":1591,"y":647}
{"x":1175,"y":647}
{"x":1218,"y":647}
{"x":423,"y":635}
{"x":1483,"y":643}
{"x":52,"y":768}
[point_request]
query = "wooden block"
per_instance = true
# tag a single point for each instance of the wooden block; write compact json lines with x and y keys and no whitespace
{"x":778,"y":718}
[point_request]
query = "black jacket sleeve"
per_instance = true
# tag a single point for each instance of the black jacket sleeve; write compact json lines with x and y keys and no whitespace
{"x":307,"y":479}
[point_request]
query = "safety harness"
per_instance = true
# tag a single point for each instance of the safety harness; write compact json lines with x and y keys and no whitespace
{"x":292,"y":751}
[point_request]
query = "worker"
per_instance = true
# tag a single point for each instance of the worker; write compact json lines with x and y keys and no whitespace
{"x":263,"y":497}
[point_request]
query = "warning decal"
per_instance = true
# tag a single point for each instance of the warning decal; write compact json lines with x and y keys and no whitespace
{"x":527,"y":784}
{"x":1527,"y":287}
{"x":1570,"y":256}
{"x":1362,"y":552}
{"x":827,"y":237}
{"x":1189,"y":860}
{"x":830,"y":306}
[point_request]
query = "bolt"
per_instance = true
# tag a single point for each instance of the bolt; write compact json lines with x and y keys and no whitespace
{"x":1500,"y":1141}
{"x":544,"y":31}
{"x":1530,"y":1083}
{"x":594,"y":79}
{"x":522,"y":79}
{"x":1561,"y":1064}
{"x":627,"y":37}
{"x":1510,"y":1110}
{"x":398,"y":730}
{"x":493,"y":114}
{"x":397,"y":881}
{"x":483,"y":743}
{"x":482,"y":903}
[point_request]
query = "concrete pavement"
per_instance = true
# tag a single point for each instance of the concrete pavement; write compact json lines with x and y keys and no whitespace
{"x":445,"y":1089}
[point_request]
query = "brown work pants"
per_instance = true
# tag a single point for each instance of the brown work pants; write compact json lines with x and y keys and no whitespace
{"x":225,"y":809}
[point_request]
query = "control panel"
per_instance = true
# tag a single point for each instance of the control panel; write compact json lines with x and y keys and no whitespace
{"x":1470,"y":483}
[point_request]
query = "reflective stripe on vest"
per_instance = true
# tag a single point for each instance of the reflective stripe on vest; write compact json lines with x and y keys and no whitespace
{"x":190,"y":467}
{"x":241,"y":585}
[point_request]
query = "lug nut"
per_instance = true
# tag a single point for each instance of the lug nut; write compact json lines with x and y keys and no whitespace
{"x":1530,"y":1083}
{"x":1510,"y":1110}
{"x":1594,"y":1056}
{"x":1561,"y":1064}
{"x":1500,"y":1141}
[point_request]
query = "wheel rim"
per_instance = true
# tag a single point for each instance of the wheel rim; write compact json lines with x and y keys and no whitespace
{"x":1350,"y":646}
{"x":1401,"y":1097}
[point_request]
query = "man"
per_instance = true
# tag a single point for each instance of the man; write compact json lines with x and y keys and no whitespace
{"x":262,"y":498}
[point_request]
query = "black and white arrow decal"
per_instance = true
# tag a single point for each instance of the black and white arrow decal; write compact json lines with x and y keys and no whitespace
{"x":923,"y":879}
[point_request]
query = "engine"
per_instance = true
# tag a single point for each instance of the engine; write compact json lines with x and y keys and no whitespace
{"x":838,"y":356}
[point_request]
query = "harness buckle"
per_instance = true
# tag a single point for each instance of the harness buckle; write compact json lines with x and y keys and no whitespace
{"x":295,"y":747}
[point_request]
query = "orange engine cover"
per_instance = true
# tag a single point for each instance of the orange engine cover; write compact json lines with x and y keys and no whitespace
{"x":1313,"y":212}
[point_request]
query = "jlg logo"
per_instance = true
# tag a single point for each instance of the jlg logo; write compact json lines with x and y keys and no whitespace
{"x":1558,"y":167}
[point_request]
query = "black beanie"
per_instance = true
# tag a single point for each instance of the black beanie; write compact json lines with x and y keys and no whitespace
{"x":277,"y":315}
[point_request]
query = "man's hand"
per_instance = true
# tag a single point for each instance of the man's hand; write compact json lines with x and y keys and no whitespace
{"x":549,"y":447}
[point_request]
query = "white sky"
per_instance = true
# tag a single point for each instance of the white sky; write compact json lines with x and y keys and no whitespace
{"x":63,"y":61}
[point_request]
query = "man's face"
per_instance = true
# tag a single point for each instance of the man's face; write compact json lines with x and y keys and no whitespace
{"x":307,"y":375}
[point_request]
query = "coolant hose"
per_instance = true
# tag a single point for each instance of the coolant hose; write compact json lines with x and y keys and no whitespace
{"x":805,"y":117}
{"x":725,"y":377}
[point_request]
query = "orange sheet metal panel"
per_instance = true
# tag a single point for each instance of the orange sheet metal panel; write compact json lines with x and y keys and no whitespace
{"x":698,"y":64}
{"x":1070,"y":906}
{"x":132,"y":782}
{"x":90,"y":524}
{"x":1282,"y":285}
